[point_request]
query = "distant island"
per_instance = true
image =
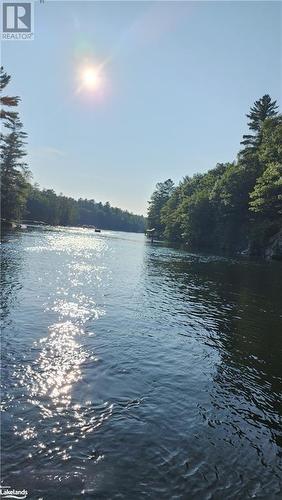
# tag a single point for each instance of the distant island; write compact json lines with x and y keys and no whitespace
{"x":235,"y":207}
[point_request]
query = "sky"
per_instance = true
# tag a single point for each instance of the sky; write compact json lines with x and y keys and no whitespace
{"x":176,"y":80}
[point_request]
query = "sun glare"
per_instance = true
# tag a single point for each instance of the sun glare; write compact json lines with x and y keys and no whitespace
{"x":91,"y":78}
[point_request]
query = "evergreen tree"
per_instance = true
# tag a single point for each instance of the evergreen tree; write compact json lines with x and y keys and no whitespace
{"x":14,"y":172}
{"x":6,"y":101}
{"x":261,"y":110}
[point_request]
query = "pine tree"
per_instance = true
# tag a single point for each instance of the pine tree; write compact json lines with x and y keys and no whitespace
{"x":6,"y":100}
{"x":261,"y":110}
{"x":14,"y":171}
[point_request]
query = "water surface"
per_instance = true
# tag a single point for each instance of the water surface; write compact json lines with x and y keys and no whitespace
{"x":132,"y":371}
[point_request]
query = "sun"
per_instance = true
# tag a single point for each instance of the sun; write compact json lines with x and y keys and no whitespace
{"x":91,"y":78}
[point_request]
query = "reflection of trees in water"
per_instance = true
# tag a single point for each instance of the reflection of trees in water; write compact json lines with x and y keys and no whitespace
{"x":234,"y":307}
{"x":11,"y":283}
{"x":11,"y":272}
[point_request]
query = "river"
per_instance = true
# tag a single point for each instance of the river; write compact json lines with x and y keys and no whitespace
{"x":137,"y":371}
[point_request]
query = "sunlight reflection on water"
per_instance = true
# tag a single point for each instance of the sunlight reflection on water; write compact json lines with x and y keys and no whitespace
{"x":58,"y":364}
{"x":50,"y":378}
{"x":78,"y":310}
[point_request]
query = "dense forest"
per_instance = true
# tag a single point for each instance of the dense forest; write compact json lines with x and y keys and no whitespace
{"x":20,"y":200}
{"x":45,"y":205}
{"x":235,"y":206}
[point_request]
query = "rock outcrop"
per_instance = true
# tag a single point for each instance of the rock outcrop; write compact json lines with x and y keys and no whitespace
{"x":273,"y":249}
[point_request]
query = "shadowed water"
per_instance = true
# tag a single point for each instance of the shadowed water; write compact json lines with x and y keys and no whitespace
{"x":132,"y":371}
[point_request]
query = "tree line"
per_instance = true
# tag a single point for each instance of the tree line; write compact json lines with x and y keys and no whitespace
{"x":21,"y":200}
{"x":45,"y":205}
{"x":234,"y":206}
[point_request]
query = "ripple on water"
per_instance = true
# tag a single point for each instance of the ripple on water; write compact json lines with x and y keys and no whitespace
{"x":58,"y":364}
{"x":80,"y":311}
{"x":185,"y":397}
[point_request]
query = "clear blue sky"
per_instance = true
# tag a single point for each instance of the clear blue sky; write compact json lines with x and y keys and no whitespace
{"x":178,"y":80}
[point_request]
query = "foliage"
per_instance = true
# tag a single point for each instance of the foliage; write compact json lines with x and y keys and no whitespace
{"x":14,"y":171}
{"x":158,"y":199}
{"x":234,"y":204}
{"x":266,"y":198}
{"x":45,"y":206}
{"x":261,"y":110}
{"x":6,"y":101}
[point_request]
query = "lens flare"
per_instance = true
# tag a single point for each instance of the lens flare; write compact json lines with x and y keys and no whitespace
{"x":91,"y":78}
